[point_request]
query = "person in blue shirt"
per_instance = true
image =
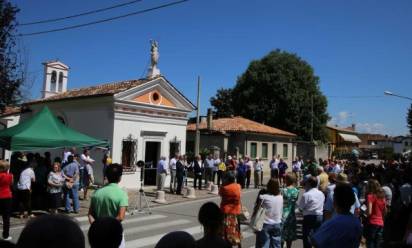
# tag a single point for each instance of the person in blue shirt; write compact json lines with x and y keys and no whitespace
{"x":282,"y":166}
{"x":241,"y":173}
{"x":343,"y":230}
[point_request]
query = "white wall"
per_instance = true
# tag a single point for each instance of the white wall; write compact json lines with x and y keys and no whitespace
{"x":92,"y":116}
{"x":8,"y":121}
{"x":133,"y":124}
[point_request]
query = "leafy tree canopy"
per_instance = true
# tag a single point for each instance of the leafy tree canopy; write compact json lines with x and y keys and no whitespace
{"x":11,"y":70}
{"x":222,"y":103}
{"x":278,"y":90}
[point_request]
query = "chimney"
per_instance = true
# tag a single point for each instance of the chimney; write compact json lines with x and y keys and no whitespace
{"x":209,"y":119}
{"x":55,"y":78}
{"x":353,"y":126}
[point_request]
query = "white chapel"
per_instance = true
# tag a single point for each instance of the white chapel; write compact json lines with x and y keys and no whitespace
{"x":142,"y":119}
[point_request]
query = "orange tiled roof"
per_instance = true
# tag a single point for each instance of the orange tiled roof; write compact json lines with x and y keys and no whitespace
{"x":10,"y":111}
{"x":97,"y":90}
{"x":342,"y":129}
{"x":239,"y":124}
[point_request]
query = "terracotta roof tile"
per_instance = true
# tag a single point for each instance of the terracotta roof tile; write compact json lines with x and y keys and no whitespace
{"x":10,"y":111}
{"x":342,"y":129}
{"x":97,"y":90}
{"x":239,"y":124}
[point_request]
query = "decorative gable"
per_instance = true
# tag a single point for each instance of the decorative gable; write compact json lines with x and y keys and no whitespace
{"x":156,"y":98}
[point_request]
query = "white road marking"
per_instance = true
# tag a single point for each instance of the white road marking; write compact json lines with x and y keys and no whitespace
{"x":134,"y":230}
{"x":128,"y":221}
{"x":142,"y":242}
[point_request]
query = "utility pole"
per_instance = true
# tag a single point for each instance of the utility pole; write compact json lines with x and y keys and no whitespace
{"x":197,"y":138}
{"x":311,"y":118}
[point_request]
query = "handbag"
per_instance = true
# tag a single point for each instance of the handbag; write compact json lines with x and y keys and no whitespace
{"x":69,"y":184}
{"x":244,"y":216}
{"x":258,"y":217}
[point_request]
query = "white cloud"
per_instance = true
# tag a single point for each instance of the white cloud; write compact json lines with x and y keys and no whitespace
{"x":343,"y":116}
{"x":341,"y":119}
{"x":378,"y":128}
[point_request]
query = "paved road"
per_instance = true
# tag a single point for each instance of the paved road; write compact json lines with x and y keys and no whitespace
{"x":144,"y":230}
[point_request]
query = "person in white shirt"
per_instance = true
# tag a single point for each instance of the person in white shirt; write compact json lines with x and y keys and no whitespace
{"x":258,"y":171}
{"x":296,"y":168}
{"x":209,"y":166}
{"x":311,"y":204}
{"x":172,"y":168}
{"x":272,"y":201}
{"x":86,"y":177}
{"x":216,"y":162}
{"x":274,"y":166}
{"x":24,"y":185}
{"x":67,"y":153}
{"x":162,"y":172}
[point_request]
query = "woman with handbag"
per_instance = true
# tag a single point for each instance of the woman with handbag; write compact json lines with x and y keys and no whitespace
{"x":272,"y":202}
{"x":55,"y":181}
{"x":231,"y":208}
{"x":290,"y":196}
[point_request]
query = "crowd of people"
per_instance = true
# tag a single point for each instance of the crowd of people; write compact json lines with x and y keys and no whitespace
{"x":38,"y":182}
{"x":343,"y":203}
{"x":107,"y":210}
{"x":209,"y":170}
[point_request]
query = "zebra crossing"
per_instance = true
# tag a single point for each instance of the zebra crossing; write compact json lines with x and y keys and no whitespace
{"x":145,"y":230}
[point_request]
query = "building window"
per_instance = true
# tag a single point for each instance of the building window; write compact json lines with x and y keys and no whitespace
{"x":285,"y":151}
{"x":253,"y":150}
{"x":264,"y":150}
{"x":174,"y":148}
{"x":129,"y":152}
{"x":406,"y":143}
{"x":274,"y":149}
{"x":53,"y":81}
{"x":60,"y":82}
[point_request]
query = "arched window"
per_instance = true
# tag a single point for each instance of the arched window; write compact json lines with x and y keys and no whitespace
{"x":53,"y":81}
{"x":60,"y":81}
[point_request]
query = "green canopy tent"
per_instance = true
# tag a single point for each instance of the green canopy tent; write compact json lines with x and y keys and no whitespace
{"x":44,"y":131}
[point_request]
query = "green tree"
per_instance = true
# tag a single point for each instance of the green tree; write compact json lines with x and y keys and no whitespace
{"x":222,"y":103}
{"x":409,"y":119}
{"x":11,"y":70}
{"x":280,"y":90}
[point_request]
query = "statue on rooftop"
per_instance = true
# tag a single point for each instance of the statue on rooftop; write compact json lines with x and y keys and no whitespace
{"x":154,"y":59}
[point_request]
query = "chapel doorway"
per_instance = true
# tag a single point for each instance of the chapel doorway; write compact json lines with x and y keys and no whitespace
{"x":152,"y":156}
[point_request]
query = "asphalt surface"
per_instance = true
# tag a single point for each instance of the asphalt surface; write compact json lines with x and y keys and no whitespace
{"x":145,"y":230}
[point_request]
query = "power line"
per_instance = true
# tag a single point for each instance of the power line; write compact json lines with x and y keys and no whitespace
{"x":105,"y":20}
{"x":354,"y":97}
{"x":80,"y":14}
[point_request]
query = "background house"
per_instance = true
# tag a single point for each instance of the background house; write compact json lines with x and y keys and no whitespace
{"x":402,"y":145}
{"x":342,"y":140}
{"x":240,"y":136}
{"x":375,"y":145}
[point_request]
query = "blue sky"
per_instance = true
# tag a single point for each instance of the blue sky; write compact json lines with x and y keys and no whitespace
{"x":357,"y":48}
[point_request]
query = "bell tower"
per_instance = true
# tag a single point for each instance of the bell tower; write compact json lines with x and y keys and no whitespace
{"x":55,"y":78}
